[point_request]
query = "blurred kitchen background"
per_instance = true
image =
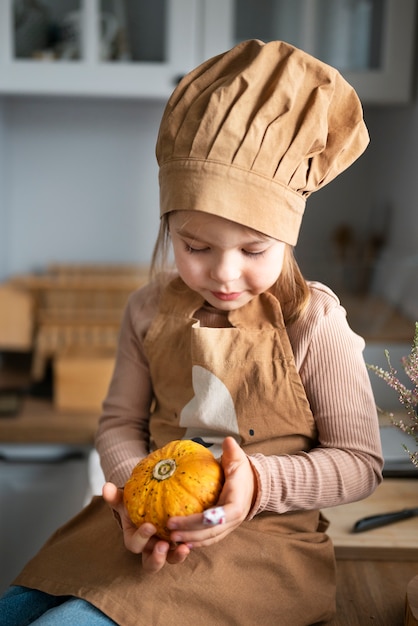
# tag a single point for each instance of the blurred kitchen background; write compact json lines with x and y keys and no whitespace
{"x":83,"y":85}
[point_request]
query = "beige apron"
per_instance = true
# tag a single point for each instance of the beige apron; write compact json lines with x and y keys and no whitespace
{"x":210,"y":382}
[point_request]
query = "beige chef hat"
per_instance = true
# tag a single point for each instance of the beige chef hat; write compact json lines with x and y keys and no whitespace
{"x":251,"y":133}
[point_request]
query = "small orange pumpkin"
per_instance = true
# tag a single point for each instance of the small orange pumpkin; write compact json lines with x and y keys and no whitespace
{"x":182,"y":478}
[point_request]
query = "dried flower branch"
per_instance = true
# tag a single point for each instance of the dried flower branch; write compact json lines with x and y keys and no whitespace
{"x":408,"y":397}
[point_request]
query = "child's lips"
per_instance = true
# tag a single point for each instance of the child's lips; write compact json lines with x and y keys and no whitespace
{"x":226,"y":297}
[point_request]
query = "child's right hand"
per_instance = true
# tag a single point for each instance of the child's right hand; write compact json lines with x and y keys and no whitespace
{"x":155,"y":552}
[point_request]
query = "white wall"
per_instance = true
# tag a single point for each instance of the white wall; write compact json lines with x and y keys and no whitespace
{"x":82,"y":181}
{"x":394,"y":177}
{"x":348,"y":199}
{"x":384,"y":178}
{"x":3,"y":201}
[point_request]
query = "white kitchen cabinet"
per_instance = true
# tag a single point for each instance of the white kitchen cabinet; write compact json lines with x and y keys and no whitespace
{"x":135,"y":48}
{"x":110,"y":48}
{"x":372,"y":42}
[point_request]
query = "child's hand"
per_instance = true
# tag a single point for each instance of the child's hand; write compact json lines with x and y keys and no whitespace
{"x":236,"y":500}
{"x":155,"y":552}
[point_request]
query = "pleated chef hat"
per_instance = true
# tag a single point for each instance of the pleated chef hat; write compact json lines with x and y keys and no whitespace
{"x":251,"y":133}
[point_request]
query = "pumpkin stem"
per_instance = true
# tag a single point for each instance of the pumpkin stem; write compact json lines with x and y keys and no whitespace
{"x":164,"y":469}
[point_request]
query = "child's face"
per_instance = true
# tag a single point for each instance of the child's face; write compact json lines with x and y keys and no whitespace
{"x":228,"y":264}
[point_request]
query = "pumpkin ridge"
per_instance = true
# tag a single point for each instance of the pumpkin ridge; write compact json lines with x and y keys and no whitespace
{"x":184,"y":499}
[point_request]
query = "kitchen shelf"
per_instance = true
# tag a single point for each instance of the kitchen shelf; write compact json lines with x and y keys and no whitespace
{"x":376,"y":320}
{"x":38,"y":422}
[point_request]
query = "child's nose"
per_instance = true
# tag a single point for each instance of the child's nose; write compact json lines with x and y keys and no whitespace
{"x":225,"y":269}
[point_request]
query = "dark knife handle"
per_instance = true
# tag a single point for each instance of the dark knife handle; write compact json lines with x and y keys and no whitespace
{"x":375,"y":521}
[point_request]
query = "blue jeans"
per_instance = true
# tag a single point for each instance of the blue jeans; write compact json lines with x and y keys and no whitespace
{"x":21,"y":606}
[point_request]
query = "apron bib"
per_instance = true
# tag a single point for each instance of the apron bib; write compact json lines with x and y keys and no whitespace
{"x":210,"y":382}
{"x":239,"y":381}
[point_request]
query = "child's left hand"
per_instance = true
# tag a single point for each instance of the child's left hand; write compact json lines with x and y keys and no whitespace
{"x":236,"y":499}
{"x":155,"y":552}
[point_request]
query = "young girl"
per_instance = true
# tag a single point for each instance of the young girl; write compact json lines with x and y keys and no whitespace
{"x":236,"y":350}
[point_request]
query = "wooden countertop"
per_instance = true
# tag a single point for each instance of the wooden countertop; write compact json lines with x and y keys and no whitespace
{"x":374,"y":568}
{"x":396,"y":542}
{"x":38,"y":422}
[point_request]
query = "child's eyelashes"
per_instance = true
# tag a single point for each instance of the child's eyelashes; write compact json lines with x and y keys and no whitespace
{"x":192,"y":250}
{"x":248,"y":253}
{"x":252,"y":254}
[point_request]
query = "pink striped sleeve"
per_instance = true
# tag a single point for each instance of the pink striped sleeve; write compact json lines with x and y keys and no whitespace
{"x":346,"y":466}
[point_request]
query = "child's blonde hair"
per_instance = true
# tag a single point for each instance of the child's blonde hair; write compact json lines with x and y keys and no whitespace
{"x":291,"y":288}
